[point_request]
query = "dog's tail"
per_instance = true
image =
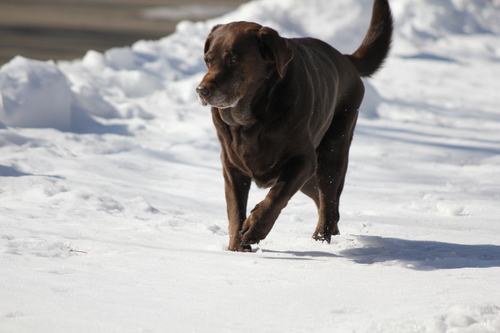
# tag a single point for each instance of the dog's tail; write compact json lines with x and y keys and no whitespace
{"x":370,"y":56}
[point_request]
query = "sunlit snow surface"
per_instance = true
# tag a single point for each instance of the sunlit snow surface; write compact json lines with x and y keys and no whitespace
{"x":111,"y":195}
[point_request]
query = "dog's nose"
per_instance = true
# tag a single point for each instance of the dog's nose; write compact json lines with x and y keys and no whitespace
{"x":202,"y":90}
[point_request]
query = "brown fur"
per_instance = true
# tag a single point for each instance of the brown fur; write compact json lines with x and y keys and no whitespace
{"x":285,"y":112}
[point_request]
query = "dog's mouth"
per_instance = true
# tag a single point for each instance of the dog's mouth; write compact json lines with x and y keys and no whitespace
{"x":217,"y":103}
{"x":202,"y":101}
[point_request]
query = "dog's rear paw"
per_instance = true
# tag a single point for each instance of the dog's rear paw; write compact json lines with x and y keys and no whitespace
{"x":322,"y":238}
{"x":325,"y":236}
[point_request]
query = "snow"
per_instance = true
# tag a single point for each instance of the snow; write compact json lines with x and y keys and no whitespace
{"x":111,"y":195}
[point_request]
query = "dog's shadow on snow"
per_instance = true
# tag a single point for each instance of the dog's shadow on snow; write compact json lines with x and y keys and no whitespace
{"x":422,"y":255}
{"x":298,"y":255}
{"x":412,"y":254}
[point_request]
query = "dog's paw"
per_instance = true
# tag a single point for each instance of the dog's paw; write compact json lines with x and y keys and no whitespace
{"x":236,"y":244}
{"x":260,"y":222}
{"x":252,"y":231}
{"x":325,"y":235}
{"x":322,"y":238}
{"x":249,"y":237}
{"x":240,"y":248}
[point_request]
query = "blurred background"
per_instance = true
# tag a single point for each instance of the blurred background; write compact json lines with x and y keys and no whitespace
{"x":67,"y":29}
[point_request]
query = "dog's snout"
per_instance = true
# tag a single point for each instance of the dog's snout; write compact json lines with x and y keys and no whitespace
{"x":202,"y":90}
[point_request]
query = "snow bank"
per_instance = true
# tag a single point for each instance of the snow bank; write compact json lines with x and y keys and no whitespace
{"x":108,"y":85}
{"x":433,"y":26}
{"x":34,"y":94}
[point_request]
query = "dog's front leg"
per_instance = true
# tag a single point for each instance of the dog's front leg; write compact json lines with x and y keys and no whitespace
{"x":260,"y":222}
{"x":237,"y":186}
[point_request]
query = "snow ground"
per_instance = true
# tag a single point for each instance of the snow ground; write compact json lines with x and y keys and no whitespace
{"x":111,"y":195}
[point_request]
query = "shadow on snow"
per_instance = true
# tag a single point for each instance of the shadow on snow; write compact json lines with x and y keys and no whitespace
{"x":417,"y":255}
{"x":422,"y":255}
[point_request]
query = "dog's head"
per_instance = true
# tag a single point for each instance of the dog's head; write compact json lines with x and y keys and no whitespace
{"x":240,"y":56}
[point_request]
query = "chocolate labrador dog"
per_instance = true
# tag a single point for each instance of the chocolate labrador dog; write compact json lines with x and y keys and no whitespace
{"x":285,"y":112}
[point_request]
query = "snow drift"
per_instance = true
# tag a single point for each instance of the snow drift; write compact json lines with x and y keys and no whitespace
{"x":108,"y":85}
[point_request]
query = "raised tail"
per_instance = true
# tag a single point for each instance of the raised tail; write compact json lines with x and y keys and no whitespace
{"x":370,"y":56}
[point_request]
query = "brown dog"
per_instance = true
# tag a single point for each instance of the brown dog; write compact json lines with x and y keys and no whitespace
{"x":285,"y":112}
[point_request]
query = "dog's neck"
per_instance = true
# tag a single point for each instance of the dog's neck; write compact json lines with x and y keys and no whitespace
{"x":239,"y":115}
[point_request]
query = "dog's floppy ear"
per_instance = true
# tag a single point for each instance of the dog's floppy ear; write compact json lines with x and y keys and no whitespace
{"x":278,"y":46}
{"x":209,"y":38}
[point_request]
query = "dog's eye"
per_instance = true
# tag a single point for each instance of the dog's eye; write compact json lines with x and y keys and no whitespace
{"x":232,"y":59}
{"x":208,"y":60}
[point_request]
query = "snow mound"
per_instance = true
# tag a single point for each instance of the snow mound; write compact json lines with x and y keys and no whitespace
{"x":34,"y":94}
{"x":427,"y":25}
{"x":109,"y":85}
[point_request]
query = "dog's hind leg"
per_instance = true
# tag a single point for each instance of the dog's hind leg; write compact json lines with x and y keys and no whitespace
{"x":310,"y":188}
{"x":333,"y":155}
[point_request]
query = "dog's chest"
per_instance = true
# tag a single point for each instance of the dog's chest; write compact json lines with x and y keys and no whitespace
{"x":255,"y":155}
